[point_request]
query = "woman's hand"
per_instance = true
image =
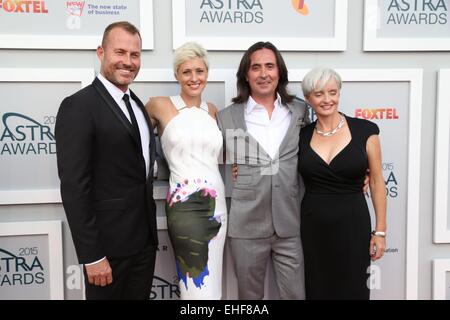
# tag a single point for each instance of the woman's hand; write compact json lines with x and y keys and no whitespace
{"x":376,"y":247}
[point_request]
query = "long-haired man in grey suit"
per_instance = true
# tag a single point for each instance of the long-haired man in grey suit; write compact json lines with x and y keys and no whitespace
{"x":261,"y":130}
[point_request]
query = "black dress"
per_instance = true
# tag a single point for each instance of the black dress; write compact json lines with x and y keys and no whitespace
{"x":335,"y":220}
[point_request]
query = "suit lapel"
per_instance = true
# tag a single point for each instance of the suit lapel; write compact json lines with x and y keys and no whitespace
{"x":295,"y":118}
{"x":111,"y":103}
{"x":98,"y":85}
{"x":237,"y":113}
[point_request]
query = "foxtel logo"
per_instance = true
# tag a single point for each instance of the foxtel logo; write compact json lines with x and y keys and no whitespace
{"x":380,"y":113}
{"x":23,"y":6}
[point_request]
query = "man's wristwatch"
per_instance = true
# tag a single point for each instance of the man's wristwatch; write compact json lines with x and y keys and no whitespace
{"x":379,"y":233}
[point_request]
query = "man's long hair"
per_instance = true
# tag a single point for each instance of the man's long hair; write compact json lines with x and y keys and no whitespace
{"x":243,"y":86}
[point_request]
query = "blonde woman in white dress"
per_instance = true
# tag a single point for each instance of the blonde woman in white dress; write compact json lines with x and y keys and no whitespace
{"x":195,"y":207}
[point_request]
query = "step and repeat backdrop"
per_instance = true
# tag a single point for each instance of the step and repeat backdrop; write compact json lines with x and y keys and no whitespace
{"x":37,"y":259}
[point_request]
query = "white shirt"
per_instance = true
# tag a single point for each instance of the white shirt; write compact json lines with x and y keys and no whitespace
{"x":117,"y":95}
{"x":269,"y":132}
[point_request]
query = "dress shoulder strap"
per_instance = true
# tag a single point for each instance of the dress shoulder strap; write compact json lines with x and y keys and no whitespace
{"x":178,"y":102}
{"x":204,"y":106}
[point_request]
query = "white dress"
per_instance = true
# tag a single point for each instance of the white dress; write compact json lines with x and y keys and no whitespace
{"x":195,"y":207}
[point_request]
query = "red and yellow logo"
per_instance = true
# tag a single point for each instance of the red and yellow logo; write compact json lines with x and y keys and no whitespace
{"x":23,"y":6}
{"x":300,"y":7}
{"x":380,"y":113}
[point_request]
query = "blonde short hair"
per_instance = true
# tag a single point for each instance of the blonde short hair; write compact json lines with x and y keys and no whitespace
{"x":189,"y":50}
{"x":317,"y":78}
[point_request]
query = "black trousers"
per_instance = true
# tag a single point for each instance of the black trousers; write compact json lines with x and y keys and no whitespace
{"x":132,"y":278}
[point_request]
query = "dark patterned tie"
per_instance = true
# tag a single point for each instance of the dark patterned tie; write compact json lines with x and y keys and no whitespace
{"x":134,"y":123}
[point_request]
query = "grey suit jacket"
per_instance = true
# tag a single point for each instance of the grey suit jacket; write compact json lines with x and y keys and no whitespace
{"x":267,"y":194}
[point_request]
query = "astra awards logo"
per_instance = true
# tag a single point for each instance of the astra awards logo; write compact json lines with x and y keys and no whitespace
{"x":23,"y":6}
{"x":232,"y":11}
{"x":23,"y":135}
{"x":163,"y":289}
{"x":390,"y":179}
{"x":20,"y":269}
{"x":417,"y":12}
{"x":300,"y":7}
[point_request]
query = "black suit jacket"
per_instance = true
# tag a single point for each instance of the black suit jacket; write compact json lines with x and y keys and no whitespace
{"x":107,"y":196}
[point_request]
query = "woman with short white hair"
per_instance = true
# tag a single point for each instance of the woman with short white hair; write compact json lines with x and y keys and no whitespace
{"x":335,"y":152}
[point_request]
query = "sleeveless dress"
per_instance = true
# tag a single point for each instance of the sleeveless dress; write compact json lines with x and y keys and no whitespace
{"x":195,"y":207}
{"x":335,"y":220}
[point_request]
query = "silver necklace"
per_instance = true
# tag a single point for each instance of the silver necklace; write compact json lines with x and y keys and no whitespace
{"x":330,"y":133}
